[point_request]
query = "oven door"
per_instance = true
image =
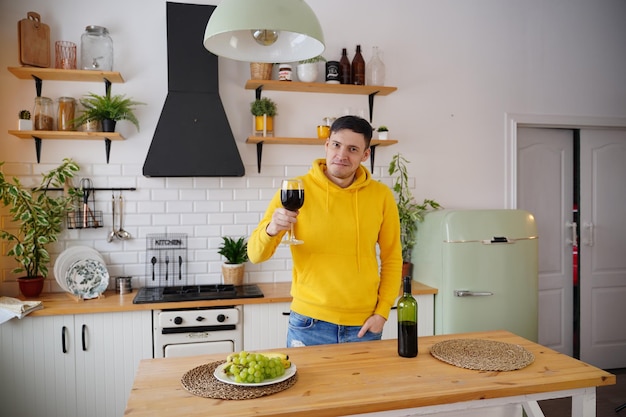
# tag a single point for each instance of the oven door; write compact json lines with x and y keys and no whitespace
{"x":200,"y":348}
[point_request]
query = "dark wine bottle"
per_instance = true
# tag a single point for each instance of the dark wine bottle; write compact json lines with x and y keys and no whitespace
{"x":344,"y":68}
{"x":358,"y":67}
{"x":407,"y":322}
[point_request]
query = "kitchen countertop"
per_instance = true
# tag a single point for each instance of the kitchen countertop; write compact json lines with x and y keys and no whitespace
{"x":65,"y":303}
{"x":367,"y":377}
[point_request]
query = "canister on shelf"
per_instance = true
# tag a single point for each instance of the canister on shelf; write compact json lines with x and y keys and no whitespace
{"x":332,"y":72}
{"x":96,"y":49}
{"x":66,"y":112}
{"x":284,"y":72}
{"x":43,"y":114}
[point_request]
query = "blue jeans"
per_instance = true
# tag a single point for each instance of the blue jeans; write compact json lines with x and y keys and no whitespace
{"x":306,"y":331}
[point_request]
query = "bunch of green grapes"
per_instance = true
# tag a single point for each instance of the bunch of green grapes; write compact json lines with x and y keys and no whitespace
{"x":253,"y":367}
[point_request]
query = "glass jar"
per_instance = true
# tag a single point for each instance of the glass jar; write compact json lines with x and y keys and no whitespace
{"x":375,"y":70}
{"x":284,"y":72}
{"x":43,"y":114}
{"x":96,"y":49}
{"x":66,"y":110}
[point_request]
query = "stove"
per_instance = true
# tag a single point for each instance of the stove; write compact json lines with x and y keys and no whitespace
{"x":147,"y":295}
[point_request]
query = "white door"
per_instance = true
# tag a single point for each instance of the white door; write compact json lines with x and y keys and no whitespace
{"x":603,"y":248}
{"x":545,"y":189}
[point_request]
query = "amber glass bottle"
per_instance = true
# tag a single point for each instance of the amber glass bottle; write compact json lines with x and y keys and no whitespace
{"x":358,"y":67}
{"x":344,"y":67}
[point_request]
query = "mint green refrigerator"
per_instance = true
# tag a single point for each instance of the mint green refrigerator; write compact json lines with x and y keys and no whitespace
{"x":484,"y":265}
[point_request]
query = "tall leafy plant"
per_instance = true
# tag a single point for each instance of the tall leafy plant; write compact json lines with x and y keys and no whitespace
{"x":112,"y":107}
{"x":37,"y":217}
{"x":411,"y":213}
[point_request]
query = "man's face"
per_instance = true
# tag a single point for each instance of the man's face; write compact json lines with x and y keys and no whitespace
{"x":345,"y":151}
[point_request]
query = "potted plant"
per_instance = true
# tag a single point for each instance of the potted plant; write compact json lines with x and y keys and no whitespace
{"x":107,"y":109}
{"x":308,"y":69}
{"x":24,"y":122}
{"x":410,"y":212}
{"x":236,"y":254}
{"x":383,"y":132}
{"x":263,"y":110}
{"x":37,"y":219}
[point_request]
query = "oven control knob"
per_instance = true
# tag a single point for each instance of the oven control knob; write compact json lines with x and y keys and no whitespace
{"x":221,"y":318}
{"x":178,"y":320}
{"x":200,"y":318}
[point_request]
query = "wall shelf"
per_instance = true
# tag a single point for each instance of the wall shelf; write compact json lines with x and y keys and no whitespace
{"x":53,"y":74}
{"x":38,"y":135}
{"x":260,"y":140}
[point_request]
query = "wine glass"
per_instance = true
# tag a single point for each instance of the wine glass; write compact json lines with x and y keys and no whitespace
{"x":292,"y":198}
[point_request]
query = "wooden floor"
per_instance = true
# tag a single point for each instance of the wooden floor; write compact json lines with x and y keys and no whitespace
{"x":608,"y":398}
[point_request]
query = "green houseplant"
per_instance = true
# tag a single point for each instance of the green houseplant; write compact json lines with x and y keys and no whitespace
{"x":37,"y":218}
{"x":410,"y":212}
{"x":263,"y":109}
{"x":236,"y":254}
{"x":108,"y":109}
{"x":383,"y":131}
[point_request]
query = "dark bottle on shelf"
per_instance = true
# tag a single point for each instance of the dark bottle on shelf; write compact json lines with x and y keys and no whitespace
{"x":407,"y":322}
{"x":358,"y":67}
{"x":344,"y":68}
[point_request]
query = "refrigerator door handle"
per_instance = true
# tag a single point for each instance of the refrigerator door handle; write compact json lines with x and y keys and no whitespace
{"x":468,"y":293}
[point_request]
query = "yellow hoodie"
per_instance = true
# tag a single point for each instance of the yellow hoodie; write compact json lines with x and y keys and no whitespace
{"x":336,"y":275}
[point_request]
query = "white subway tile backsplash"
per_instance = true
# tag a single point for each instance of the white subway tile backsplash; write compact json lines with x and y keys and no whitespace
{"x":204,"y":208}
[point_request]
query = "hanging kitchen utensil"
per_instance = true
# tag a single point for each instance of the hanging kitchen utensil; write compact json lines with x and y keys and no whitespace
{"x":121,"y":233}
{"x":113,"y":233}
{"x":86,"y":187}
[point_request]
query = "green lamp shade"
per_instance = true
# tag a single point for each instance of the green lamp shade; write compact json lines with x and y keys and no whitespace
{"x":287,"y":31}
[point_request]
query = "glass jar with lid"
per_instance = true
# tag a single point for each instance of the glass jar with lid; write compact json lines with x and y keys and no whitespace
{"x":96,"y":49}
{"x":43,"y":114}
{"x":66,"y":112}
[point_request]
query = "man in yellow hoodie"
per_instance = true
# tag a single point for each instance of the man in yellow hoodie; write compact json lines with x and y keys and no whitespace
{"x":348,"y":223}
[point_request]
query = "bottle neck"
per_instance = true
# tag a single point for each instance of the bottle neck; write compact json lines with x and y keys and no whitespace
{"x":407,"y":285}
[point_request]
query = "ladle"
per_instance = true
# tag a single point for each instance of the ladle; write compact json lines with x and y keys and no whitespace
{"x":121,"y":233}
{"x":112,"y":234}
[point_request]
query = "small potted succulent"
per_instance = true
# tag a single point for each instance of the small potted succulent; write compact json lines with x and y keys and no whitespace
{"x":36,"y":219}
{"x":263,"y":110}
{"x":308,"y":69}
{"x":383,"y":132}
{"x":236,"y":254}
{"x":24,"y":122}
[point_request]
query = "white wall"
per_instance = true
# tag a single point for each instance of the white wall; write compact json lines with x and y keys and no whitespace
{"x":459,"y":66}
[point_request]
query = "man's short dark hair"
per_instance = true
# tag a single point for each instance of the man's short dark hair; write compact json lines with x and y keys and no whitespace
{"x":355,"y":124}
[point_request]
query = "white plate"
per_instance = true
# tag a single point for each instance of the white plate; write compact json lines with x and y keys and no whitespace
{"x":68,"y":257}
{"x":221,"y":376}
{"x":87,"y":278}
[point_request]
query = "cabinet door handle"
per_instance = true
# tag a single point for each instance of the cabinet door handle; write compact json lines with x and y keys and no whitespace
{"x":574,"y":240}
{"x":285,"y":313}
{"x":84,"y":337}
{"x":63,"y":345}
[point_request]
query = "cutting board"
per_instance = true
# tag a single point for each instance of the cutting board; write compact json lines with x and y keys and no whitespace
{"x":34,"y":39}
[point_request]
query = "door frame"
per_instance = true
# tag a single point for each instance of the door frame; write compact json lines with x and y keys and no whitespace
{"x":515,"y":120}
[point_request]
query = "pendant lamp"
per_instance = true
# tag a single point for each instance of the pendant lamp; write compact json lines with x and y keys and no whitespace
{"x":264,"y":31}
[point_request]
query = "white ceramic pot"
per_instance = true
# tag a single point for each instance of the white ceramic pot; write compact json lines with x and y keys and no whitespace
{"x":383,"y":135}
{"x":308,"y":73}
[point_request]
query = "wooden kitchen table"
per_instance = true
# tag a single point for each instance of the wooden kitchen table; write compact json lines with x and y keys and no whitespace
{"x":369,"y":377}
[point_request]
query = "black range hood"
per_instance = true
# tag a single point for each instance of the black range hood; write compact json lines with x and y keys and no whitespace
{"x":193,"y":137}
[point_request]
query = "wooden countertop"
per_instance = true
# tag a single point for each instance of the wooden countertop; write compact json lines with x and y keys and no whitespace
{"x":363,"y":377}
{"x":65,"y":303}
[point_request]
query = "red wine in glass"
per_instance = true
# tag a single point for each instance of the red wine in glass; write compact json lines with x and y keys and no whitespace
{"x":292,"y":198}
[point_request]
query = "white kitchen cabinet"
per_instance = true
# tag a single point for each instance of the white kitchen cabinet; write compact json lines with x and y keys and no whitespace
{"x":82,"y":365}
{"x":265,"y":325}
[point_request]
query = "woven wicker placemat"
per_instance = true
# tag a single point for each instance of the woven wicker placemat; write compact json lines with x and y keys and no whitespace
{"x":200,"y":381}
{"x":482,"y":355}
